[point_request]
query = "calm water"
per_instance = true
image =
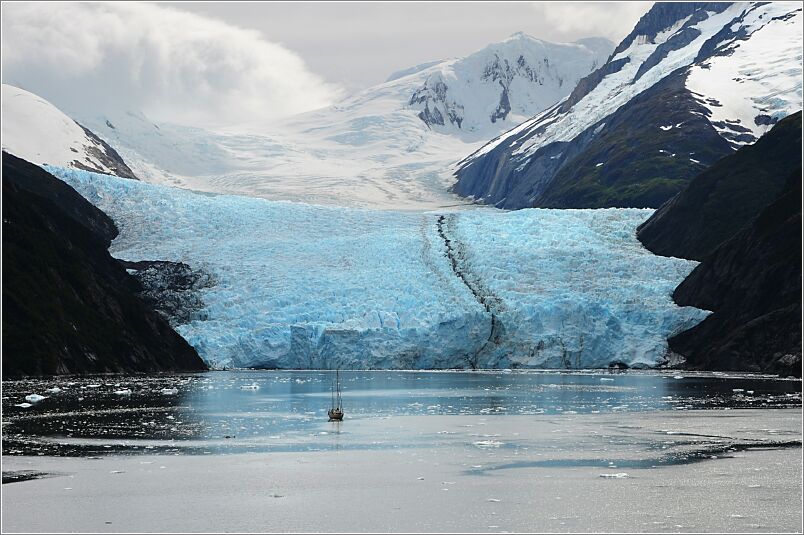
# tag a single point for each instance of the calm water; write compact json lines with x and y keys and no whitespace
{"x":229,"y":412}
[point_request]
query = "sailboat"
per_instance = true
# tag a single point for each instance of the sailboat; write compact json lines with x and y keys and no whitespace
{"x":336,"y":412}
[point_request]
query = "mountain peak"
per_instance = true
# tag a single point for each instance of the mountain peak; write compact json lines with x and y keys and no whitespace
{"x":521,"y":35}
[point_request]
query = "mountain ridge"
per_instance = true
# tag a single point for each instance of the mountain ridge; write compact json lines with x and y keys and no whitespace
{"x":698,"y":55}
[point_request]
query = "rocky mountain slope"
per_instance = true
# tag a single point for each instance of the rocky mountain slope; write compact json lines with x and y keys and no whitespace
{"x":726,"y":197}
{"x":752,"y":282}
{"x":742,"y":219}
{"x":68,"y":306}
{"x":37,"y":131}
{"x":690,"y":84}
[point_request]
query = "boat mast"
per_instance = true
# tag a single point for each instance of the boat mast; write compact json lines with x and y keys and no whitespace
{"x":338,"y":386}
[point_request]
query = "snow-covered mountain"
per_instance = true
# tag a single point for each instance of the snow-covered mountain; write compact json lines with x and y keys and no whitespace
{"x":36,"y":131}
{"x":691,"y":83}
{"x":383,"y":147}
{"x":501,"y":84}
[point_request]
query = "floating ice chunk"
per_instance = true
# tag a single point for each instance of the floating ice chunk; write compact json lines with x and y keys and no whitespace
{"x":23,"y":405}
{"x":123,"y":392}
{"x":253,"y":386}
{"x":488,"y":443}
{"x":169,"y":391}
{"x":737,"y":390}
{"x":54,"y":390}
{"x":495,"y":500}
{"x":93,"y":386}
{"x":606,"y":379}
{"x":34,"y":398}
{"x":618,"y":475}
{"x":678,"y":377}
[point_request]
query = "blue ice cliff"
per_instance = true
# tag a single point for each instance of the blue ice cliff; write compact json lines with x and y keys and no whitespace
{"x":305,"y":286}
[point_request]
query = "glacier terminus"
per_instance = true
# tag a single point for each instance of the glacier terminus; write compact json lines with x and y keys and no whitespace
{"x":308,"y":286}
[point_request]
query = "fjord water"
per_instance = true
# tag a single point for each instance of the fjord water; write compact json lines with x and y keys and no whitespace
{"x":264,"y":411}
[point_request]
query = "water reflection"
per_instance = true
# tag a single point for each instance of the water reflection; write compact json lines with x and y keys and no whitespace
{"x":283,"y":410}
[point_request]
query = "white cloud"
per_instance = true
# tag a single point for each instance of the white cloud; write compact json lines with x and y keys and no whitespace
{"x":606,"y":19}
{"x":174,"y":66}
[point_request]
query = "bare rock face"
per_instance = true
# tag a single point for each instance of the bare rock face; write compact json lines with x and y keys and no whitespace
{"x":742,"y":219}
{"x":752,"y":282}
{"x":171,"y":288}
{"x":106,"y":155}
{"x":68,"y":306}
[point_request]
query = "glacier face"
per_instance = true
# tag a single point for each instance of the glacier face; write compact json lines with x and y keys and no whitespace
{"x":306,"y":286}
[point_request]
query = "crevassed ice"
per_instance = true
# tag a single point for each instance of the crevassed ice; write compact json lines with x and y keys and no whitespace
{"x":303,"y":286}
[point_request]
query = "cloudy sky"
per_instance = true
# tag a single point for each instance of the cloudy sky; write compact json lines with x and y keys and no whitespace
{"x":208,"y":63}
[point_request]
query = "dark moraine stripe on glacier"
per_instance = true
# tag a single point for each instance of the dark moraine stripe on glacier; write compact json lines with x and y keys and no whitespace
{"x":492,"y":303}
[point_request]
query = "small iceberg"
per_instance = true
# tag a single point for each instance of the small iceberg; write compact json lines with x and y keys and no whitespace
{"x":23,"y":405}
{"x":34,"y":398}
{"x":488,"y":443}
{"x":54,"y":390}
{"x":169,"y":391}
{"x":252,"y":386}
{"x":618,"y":475}
{"x":124,"y":392}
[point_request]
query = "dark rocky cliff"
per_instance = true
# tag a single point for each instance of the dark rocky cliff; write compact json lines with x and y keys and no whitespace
{"x":726,"y":197}
{"x":68,"y":306}
{"x":742,"y":219}
{"x":752,"y":282}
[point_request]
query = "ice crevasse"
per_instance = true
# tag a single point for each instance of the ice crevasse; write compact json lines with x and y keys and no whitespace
{"x":306,"y":286}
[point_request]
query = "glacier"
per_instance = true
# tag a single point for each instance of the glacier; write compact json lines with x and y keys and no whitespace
{"x":312,"y":286}
{"x":370,"y":149}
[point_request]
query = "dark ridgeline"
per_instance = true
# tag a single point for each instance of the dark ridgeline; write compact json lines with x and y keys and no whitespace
{"x":742,"y":219}
{"x":726,"y":197}
{"x":68,"y":306}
